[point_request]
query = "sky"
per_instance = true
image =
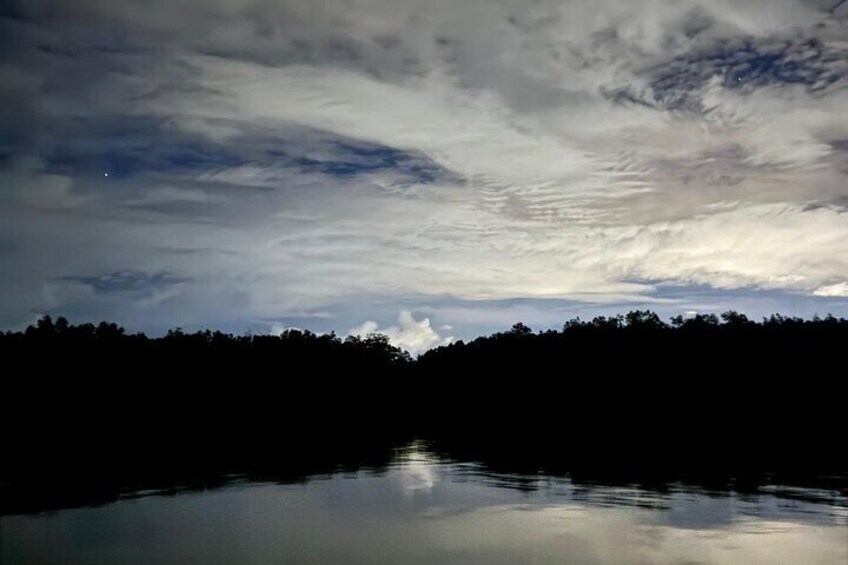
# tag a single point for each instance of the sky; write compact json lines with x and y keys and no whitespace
{"x":430,"y":169}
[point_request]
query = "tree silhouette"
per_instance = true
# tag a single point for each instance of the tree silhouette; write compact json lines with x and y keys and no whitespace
{"x":520,"y":329}
{"x":704,"y":394}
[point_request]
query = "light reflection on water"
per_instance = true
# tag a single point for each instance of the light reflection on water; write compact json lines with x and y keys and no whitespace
{"x":421,"y":510}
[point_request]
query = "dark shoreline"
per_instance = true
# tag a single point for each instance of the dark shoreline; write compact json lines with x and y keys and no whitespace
{"x":95,"y":414}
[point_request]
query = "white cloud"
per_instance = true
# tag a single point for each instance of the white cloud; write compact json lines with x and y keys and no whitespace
{"x":410,"y":334}
{"x":368,"y":327}
{"x":566,"y":195}
{"x":838,"y":289}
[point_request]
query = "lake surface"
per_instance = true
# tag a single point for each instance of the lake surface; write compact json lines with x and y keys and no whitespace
{"x":423,"y":510}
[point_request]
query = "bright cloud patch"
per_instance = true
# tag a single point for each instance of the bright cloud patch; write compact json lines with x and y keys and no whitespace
{"x":838,"y":289}
{"x":410,"y":334}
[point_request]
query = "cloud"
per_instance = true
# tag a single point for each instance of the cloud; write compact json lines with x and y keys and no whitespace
{"x":838,"y":289}
{"x":411,"y":335}
{"x":128,"y":281}
{"x":302,"y":155}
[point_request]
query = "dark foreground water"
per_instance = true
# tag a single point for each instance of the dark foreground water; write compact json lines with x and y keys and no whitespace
{"x":420,"y":510}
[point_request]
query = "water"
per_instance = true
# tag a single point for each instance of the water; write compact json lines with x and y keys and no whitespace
{"x":421,"y":510}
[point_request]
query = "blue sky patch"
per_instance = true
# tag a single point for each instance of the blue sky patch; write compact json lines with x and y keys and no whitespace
{"x":677,"y":84}
{"x":126,"y":147}
{"x":354,"y":160}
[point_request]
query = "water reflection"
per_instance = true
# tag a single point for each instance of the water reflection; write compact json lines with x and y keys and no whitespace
{"x":420,"y":508}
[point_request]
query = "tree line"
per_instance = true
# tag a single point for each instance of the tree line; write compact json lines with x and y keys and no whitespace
{"x":706,"y":394}
{"x":636,"y":320}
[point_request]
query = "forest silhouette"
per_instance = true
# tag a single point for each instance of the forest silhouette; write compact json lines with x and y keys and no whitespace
{"x":92,"y":411}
